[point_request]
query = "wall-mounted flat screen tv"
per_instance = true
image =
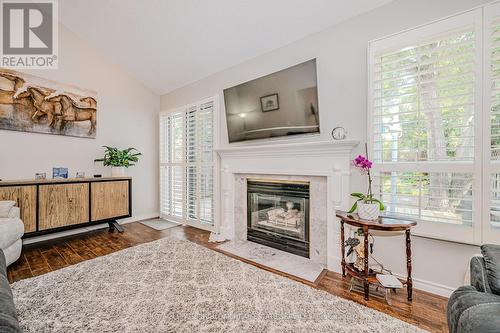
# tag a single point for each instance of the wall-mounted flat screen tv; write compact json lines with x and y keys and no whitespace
{"x":279,"y":104}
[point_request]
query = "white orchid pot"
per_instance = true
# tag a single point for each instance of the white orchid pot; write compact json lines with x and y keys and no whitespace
{"x":117,"y":171}
{"x":368,"y":211}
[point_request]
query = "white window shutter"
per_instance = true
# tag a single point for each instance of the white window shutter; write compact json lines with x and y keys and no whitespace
{"x":425,"y":98}
{"x":206,"y":156}
{"x":491,"y":138}
{"x":187,"y":164}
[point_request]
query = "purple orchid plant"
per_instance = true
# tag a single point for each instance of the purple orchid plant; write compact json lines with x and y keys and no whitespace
{"x":363,"y":164}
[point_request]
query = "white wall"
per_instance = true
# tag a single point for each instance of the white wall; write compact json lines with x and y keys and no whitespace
{"x":341,"y":53}
{"x":127,"y":116}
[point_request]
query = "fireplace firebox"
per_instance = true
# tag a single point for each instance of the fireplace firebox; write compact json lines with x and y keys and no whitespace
{"x":278,"y":215}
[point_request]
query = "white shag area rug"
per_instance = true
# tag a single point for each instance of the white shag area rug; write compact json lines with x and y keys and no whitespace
{"x":178,"y":286}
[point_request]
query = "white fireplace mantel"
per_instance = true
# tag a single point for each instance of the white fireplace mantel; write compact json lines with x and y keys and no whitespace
{"x":290,"y":149}
{"x":330,"y":159}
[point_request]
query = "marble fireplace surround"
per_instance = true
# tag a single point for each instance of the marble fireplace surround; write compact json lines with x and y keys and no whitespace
{"x":325,"y":164}
{"x":317,"y":210}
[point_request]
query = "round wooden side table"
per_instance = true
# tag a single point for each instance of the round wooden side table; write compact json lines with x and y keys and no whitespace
{"x":382,"y":224}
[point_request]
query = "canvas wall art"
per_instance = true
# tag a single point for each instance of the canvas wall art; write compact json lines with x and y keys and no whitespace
{"x":33,"y":104}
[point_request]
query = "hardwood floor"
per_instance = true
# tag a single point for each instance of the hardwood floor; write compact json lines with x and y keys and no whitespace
{"x":426,"y":311}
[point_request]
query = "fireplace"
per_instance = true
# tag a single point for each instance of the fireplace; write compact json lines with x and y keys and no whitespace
{"x":278,"y":214}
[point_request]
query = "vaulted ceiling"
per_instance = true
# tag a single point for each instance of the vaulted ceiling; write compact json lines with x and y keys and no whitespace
{"x":167,"y":44}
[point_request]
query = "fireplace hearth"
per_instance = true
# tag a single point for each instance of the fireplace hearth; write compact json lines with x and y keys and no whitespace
{"x":278,"y":214}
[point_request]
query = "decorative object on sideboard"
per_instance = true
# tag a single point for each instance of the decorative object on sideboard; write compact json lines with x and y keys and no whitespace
{"x":80,"y":174}
{"x":368,"y":207}
{"x":339,"y":133}
{"x":269,"y":103}
{"x":32,"y":104}
{"x":40,"y":175}
{"x":59,"y":173}
{"x":119,"y":159}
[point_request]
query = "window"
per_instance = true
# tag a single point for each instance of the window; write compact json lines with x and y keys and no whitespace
{"x":491,"y":121}
{"x":425,"y":104}
{"x":187,"y":165}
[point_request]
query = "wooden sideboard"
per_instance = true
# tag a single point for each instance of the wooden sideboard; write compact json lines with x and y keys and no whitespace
{"x":52,"y":205}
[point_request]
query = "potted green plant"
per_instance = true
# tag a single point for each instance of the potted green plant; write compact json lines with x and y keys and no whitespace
{"x":119,"y":159}
{"x":368,"y":207}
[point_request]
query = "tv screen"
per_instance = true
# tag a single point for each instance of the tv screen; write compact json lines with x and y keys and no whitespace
{"x":278,"y":104}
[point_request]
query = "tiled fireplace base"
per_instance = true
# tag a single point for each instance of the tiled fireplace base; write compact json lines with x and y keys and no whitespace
{"x":281,"y":261}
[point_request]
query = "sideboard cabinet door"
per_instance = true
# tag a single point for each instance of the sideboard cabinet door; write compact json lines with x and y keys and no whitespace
{"x":62,"y":205}
{"x":109,"y":200}
{"x":25,"y":198}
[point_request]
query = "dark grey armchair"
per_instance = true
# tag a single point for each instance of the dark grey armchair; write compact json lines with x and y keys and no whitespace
{"x":476,"y":308}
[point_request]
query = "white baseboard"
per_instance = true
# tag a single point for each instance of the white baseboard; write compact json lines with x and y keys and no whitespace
{"x":430,"y":287}
{"x":420,"y":284}
{"x":88,"y":228}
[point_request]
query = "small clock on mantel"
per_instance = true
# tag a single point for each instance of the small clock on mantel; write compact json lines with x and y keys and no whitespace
{"x":339,"y":133}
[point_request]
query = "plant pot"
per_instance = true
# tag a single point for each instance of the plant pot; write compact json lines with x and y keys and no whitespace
{"x":117,"y":171}
{"x":368,"y":211}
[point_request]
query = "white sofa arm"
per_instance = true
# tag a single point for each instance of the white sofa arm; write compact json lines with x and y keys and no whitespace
{"x":5,"y":207}
{"x":14,"y":212}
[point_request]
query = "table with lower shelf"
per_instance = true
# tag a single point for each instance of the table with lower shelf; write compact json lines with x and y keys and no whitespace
{"x":383,"y":224}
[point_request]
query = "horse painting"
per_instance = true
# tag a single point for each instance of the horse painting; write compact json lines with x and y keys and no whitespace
{"x":51,"y":110}
{"x":32,"y":104}
{"x":12,"y":94}
{"x":71,"y":112}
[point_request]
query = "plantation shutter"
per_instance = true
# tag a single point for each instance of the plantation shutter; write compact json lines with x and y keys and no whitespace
{"x":206,"y":162}
{"x":491,"y":230}
{"x":187,"y":165}
{"x":172,"y":138}
{"x":422,"y":92}
{"x":423,"y":107}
